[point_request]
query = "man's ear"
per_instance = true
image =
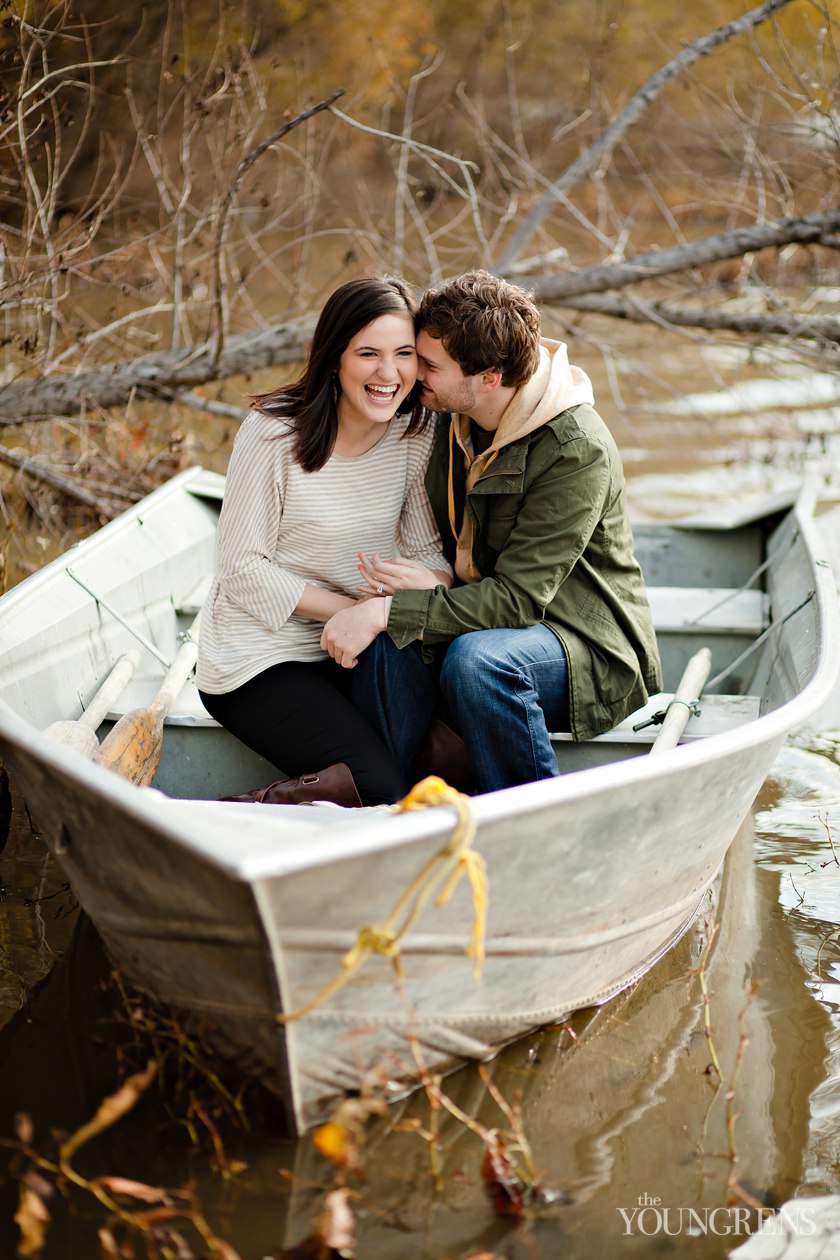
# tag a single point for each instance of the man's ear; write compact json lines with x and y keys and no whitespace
{"x":489,"y":380}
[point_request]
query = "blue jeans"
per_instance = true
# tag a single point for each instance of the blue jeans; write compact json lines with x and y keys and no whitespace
{"x":504,"y":689}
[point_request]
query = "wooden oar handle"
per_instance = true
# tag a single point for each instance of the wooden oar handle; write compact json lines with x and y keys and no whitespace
{"x":688,"y":689}
{"x":179,"y":671}
{"x":79,"y":734}
{"x":111,"y":689}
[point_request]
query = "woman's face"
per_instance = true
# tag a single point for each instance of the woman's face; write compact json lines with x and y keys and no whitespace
{"x":377,"y":370}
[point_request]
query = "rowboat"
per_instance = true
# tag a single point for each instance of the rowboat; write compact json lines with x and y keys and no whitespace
{"x":306,"y":945}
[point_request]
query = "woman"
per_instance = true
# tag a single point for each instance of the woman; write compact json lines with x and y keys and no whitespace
{"x":321,"y":469}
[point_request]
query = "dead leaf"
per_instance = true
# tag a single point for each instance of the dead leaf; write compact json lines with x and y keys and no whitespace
{"x":336,"y":1224}
{"x":341,"y":1139}
{"x":108,"y":1249}
{"x":224,"y":1251}
{"x":39,"y":1184}
{"x":333,"y":1141}
{"x":174,"y":1244}
{"x":24,"y":1128}
{"x":133,"y":1189}
{"x":32,"y":1219}
{"x":334,"y":1236}
{"x":504,"y":1186}
{"x":110,"y":1110}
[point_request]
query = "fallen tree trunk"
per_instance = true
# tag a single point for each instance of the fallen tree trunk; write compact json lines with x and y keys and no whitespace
{"x":115,"y":385}
{"x":67,"y":485}
{"x":170,"y":374}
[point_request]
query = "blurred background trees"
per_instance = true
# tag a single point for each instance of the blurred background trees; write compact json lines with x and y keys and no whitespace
{"x":181,"y":186}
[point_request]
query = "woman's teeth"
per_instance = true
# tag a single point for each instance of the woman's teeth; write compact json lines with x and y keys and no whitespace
{"x":385,"y":392}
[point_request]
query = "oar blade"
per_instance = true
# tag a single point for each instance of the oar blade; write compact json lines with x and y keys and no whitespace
{"x":132,"y":748}
{"x":74,"y":735}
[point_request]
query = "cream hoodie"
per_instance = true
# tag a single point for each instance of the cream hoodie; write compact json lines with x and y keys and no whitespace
{"x":555,"y":386}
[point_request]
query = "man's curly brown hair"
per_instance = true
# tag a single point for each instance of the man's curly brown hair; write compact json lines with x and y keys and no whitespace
{"x":484,"y":323}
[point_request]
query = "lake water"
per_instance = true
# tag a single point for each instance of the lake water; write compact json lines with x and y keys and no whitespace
{"x":642,"y":1150}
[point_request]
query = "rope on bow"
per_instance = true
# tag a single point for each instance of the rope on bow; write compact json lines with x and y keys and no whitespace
{"x":445,"y":867}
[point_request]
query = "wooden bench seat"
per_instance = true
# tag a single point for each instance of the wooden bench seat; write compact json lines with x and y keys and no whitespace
{"x":187,"y":709}
{"x":708,"y":610}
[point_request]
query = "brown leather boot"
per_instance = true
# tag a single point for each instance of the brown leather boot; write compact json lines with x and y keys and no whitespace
{"x":335,"y":784}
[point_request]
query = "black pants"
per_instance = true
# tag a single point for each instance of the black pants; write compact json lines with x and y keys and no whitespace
{"x":301,"y":718}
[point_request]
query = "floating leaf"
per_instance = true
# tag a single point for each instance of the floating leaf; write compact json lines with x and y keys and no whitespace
{"x":505,"y":1187}
{"x":32,"y":1219}
{"x":134,"y":1189}
{"x":110,"y":1110}
{"x":108,"y":1248}
{"x":336,"y":1224}
{"x":24,"y":1128}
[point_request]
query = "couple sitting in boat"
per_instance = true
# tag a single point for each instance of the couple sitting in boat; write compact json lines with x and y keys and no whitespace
{"x":426,"y":532}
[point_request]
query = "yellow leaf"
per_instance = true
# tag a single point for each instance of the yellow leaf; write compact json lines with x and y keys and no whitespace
{"x":31,"y":1218}
{"x":332,"y":1140}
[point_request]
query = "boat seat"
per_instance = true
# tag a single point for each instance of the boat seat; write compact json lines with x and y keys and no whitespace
{"x":710,"y":610}
{"x":676,"y":610}
{"x":717,"y":714}
{"x":187,"y":709}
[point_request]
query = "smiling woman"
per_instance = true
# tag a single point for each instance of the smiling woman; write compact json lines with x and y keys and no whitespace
{"x":322,"y":469}
{"x":375,"y":374}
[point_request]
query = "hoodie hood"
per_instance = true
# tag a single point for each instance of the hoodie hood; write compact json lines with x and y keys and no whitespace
{"x":555,"y":386}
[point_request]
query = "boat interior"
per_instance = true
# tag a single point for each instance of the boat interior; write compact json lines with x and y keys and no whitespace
{"x":743,"y":588}
{"x":728,"y":608}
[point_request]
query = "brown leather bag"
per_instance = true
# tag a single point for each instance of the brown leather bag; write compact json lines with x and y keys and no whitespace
{"x":335,"y":784}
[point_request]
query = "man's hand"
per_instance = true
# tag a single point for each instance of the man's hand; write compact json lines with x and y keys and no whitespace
{"x":350,"y":631}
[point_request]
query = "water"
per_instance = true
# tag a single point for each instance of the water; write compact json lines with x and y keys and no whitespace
{"x":621,"y":1110}
{"x":641,"y":1148}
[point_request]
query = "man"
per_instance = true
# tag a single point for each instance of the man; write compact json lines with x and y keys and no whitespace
{"x":548,"y":625}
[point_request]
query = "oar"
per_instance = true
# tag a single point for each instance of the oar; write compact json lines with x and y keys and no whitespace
{"x":134,"y":745}
{"x":81,"y":733}
{"x":688,"y":690}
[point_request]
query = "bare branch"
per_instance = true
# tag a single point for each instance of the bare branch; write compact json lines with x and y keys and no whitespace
{"x":810,"y":229}
{"x":592,"y":157}
{"x":825,"y":328}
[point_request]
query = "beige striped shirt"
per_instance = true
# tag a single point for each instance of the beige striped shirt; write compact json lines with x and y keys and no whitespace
{"x":282,"y":528}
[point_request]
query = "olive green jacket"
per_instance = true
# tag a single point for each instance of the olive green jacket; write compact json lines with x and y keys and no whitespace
{"x":552,"y":543}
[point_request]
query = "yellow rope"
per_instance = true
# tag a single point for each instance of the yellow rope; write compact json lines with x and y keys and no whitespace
{"x":446,"y":867}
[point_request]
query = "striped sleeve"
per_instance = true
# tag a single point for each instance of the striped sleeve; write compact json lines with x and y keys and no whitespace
{"x":249,"y":525}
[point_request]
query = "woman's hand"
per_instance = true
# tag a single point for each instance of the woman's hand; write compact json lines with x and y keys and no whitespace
{"x":384,"y":577}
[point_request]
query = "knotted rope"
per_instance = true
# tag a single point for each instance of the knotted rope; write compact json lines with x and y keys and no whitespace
{"x":445,"y":868}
